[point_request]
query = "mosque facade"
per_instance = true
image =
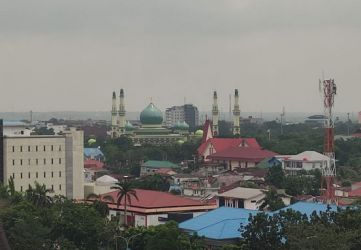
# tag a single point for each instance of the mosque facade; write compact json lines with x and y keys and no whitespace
{"x":151,"y":131}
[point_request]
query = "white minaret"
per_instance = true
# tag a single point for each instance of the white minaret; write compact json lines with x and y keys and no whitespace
{"x":215,"y":114}
{"x":121,"y":113}
{"x":114,"y":116}
{"x":236,"y":114}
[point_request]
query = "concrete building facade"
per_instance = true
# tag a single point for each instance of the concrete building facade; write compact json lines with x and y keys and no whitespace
{"x":187,"y":113}
{"x":55,"y":161}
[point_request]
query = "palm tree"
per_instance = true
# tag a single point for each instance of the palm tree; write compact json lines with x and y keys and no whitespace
{"x":39,"y":195}
{"x":124,"y":191}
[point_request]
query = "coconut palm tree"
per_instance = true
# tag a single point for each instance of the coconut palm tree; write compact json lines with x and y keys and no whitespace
{"x":125,"y":194}
{"x":39,"y":195}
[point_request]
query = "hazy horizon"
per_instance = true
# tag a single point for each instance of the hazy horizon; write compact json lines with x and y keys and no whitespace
{"x":71,"y":55}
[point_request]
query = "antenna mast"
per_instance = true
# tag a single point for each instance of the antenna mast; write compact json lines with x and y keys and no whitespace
{"x":329,"y":166}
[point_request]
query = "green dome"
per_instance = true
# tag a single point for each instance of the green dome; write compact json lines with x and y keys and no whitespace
{"x":180,"y":142}
{"x":151,"y":115}
{"x":177,"y":125}
{"x":184,"y":126}
{"x":129,"y":126}
{"x":199,"y":133}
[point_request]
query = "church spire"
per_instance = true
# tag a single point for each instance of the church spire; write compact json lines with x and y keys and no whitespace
{"x":236,"y":114}
{"x":121,"y":113}
{"x":215,"y":114}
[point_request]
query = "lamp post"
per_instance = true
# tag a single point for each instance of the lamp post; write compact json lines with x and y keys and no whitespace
{"x":127,"y":240}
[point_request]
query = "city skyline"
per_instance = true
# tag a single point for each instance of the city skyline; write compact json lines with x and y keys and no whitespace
{"x":63,"y":55}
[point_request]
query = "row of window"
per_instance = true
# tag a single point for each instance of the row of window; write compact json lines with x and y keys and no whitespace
{"x":52,"y":188}
{"x":37,"y":148}
{"x":36,"y":175}
{"x":52,"y":161}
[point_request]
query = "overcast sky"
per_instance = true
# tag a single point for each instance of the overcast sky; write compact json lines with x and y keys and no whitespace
{"x":58,"y":55}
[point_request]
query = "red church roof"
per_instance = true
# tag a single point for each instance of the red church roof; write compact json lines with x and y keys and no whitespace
{"x":221,"y":144}
{"x":243,"y":153}
{"x":155,"y":199}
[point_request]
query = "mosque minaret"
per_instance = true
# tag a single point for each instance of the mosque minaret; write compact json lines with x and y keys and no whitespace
{"x":236,"y":114}
{"x":215,"y":114}
{"x":121,"y":114}
{"x":114,"y":121}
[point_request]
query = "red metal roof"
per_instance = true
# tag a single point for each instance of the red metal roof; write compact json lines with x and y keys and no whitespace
{"x":220,"y":144}
{"x":355,"y":193}
{"x":93,"y":164}
{"x":243,"y":153}
{"x":156,"y":199}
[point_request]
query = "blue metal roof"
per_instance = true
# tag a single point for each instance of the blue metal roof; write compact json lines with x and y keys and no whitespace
{"x":224,"y":222}
{"x":221,"y":223}
{"x":93,"y":152}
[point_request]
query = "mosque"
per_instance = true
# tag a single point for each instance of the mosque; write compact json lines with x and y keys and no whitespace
{"x":151,"y":130}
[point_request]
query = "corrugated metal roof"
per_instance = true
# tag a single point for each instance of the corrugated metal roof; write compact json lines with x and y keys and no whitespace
{"x":160,"y":164}
{"x":224,"y":222}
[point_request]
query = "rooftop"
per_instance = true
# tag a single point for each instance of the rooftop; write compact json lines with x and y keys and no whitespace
{"x":160,"y":164}
{"x":224,"y":223}
{"x":156,"y":199}
{"x":242,"y":193}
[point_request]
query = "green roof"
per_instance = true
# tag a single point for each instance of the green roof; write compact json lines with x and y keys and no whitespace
{"x":151,"y":115}
{"x":160,"y":164}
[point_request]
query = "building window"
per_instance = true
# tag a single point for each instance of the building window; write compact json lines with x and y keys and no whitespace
{"x":60,"y":187}
{"x":44,"y":174}
{"x":52,"y":174}
{"x":59,"y":173}
{"x":21,"y":162}
{"x":21,"y":175}
{"x":59,"y":160}
{"x":36,"y":174}
{"x":13,"y":175}
{"x":28,"y":148}
{"x":52,"y":161}
{"x":37,"y":161}
{"x":59,"y":148}
{"x":52,"y":147}
{"x":44,"y":161}
{"x":36,"y":148}
{"x":13,"y":149}
{"x":29,"y":175}
{"x":29,"y":161}
{"x":21,"y":188}
{"x":21,"y":148}
{"x":44,"y":148}
{"x":13,"y":162}
{"x":52,"y":187}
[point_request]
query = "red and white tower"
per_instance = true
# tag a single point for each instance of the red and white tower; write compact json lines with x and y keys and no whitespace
{"x":329,"y":166}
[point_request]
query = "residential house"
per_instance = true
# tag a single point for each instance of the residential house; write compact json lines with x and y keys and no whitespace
{"x":308,"y":160}
{"x":240,"y":197}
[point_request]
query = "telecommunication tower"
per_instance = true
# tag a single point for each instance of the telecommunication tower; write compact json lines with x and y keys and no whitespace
{"x":328,"y":87}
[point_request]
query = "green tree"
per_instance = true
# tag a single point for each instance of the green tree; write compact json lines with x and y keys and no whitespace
{"x":126,"y":193}
{"x":272,"y":201}
{"x":39,"y":195}
{"x":276,"y":176}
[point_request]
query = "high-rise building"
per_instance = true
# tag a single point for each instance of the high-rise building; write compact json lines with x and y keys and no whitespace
{"x":191,"y":116}
{"x":187,"y":113}
{"x":359,"y":117}
{"x":173,"y":115}
{"x":57,"y":161}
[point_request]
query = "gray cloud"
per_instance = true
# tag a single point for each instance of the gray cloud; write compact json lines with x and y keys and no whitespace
{"x":70,"y":54}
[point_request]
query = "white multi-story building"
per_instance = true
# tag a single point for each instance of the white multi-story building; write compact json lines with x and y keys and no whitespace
{"x":173,"y":115}
{"x":53,"y":160}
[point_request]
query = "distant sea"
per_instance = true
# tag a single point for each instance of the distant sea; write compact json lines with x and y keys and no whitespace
{"x":291,"y":117}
